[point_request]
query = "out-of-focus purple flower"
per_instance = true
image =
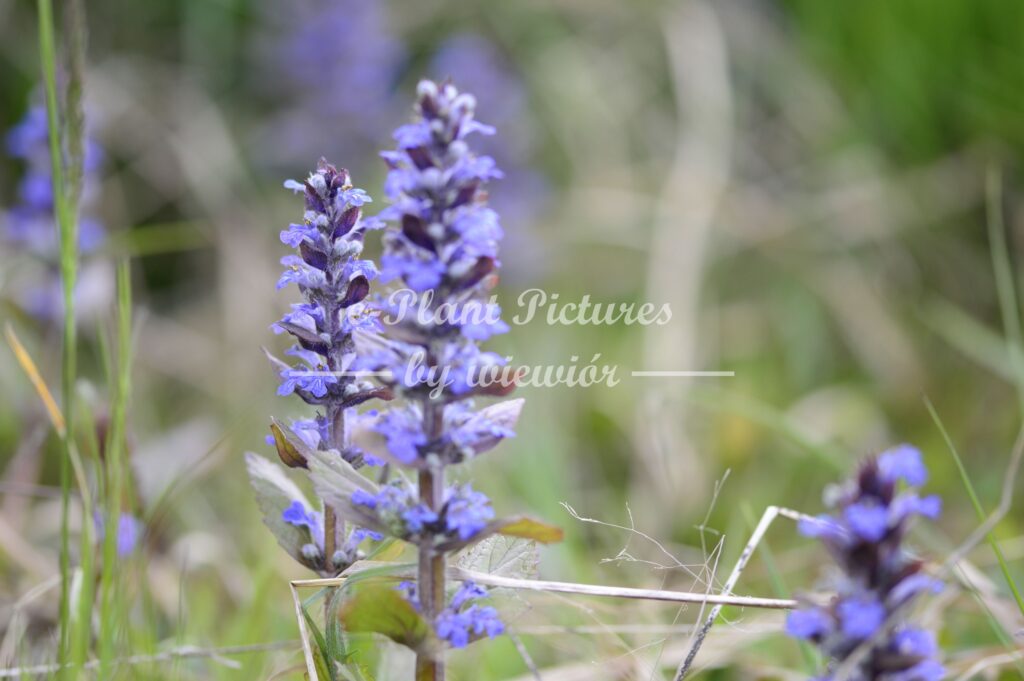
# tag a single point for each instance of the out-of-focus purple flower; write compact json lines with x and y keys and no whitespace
{"x":350,"y":548}
{"x":860,"y":617}
{"x":467,"y":512}
{"x":878,"y":575}
{"x":129,"y":531}
{"x":459,"y":625}
{"x":906,"y":505}
{"x":403,"y":428}
{"x":333,"y":64}
{"x":29,"y":226}
{"x":869,"y":521}
{"x":821,"y":527}
{"x":410,"y":593}
{"x":915,"y":642}
{"x":808,"y":623}
{"x":417,"y":517}
{"x":910,"y":587}
{"x":903,"y":462}
{"x":479,"y":66}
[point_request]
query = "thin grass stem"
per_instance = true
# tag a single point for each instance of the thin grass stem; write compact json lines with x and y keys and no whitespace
{"x":68,"y":236}
{"x":976,"y":503}
{"x":114,"y":470}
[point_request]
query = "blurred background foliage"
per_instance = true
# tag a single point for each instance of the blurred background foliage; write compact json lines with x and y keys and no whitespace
{"x":807,"y":183}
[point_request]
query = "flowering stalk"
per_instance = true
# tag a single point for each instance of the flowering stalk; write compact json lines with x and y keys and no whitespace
{"x":878,"y":577}
{"x":333,"y":281}
{"x":442,"y":245}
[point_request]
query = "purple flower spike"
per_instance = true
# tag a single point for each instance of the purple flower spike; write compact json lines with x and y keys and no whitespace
{"x":334,"y":283}
{"x":878,"y":577}
{"x":441,"y":248}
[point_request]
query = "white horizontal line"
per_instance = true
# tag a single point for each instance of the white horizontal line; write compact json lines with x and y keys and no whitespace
{"x":692,"y":374}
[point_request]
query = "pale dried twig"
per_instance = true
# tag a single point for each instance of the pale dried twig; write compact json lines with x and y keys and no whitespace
{"x":769,"y":516}
{"x":587,"y":590}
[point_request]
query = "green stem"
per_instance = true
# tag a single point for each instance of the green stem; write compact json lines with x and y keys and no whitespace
{"x":976,"y":503}
{"x":115,"y":465}
{"x":68,"y":231}
{"x":431,"y":582}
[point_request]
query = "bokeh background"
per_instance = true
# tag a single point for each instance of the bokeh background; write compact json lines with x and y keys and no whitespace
{"x":812,"y":186}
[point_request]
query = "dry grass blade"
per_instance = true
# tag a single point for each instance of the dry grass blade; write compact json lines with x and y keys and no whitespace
{"x":52,"y":410}
{"x":988,"y":663}
{"x":307,"y":651}
{"x":30,"y":369}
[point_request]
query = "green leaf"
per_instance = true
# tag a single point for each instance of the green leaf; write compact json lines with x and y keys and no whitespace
{"x":502,"y":556}
{"x":335,"y":642}
{"x":334,"y":480}
{"x":528,"y":528}
{"x":516,"y":526}
{"x":381,"y":609}
{"x":274,"y":493}
{"x":321,"y":657}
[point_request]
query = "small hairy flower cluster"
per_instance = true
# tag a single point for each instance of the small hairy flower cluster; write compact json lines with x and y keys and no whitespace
{"x":29,"y":224}
{"x":396,"y":506}
{"x":878,"y":576}
{"x":463,"y":620}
